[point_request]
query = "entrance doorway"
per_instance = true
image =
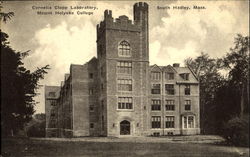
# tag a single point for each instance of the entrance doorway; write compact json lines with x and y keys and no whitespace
{"x":125,"y":128}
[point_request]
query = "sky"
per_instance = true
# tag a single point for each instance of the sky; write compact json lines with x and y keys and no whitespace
{"x":174,"y":34}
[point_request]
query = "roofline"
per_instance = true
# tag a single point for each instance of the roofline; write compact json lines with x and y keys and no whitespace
{"x":193,"y":73}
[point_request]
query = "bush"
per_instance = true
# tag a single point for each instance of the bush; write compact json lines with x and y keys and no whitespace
{"x":236,"y":131}
{"x":37,"y":130}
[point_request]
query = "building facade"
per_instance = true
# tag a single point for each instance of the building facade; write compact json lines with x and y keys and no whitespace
{"x":119,"y":93}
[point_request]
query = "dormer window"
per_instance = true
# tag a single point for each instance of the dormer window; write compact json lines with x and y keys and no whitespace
{"x":185,"y":76}
{"x":124,"y":49}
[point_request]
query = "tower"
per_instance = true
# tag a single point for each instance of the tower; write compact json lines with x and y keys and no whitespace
{"x":122,"y":50}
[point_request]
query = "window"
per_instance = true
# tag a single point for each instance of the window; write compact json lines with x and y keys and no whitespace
{"x":155,"y":75}
{"x":52,"y":94}
{"x":53,"y":113}
{"x":91,"y":91}
{"x":188,"y":105}
{"x":102,"y":104}
{"x":124,"y":49}
{"x":170,"y":105}
{"x":124,"y":67}
{"x":187,"y":89}
{"x":169,"y":89}
{"x":102,"y":122}
{"x":91,"y":108}
{"x":91,"y":75}
{"x":102,"y":71}
{"x":91,"y":125}
{"x":185,"y":76}
{"x":156,"y":89}
{"x":102,"y":86}
{"x":188,"y":122}
{"x":125,"y":103}
{"x":169,"y":76}
{"x":169,"y":121}
{"x":124,"y":84}
{"x":156,"y":105}
{"x":53,"y":102}
{"x":156,"y":121}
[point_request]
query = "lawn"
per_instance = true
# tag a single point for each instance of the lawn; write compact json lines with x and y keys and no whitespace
{"x":18,"y":147}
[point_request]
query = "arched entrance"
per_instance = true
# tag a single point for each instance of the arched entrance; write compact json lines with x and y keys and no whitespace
{"x":125,"y":127}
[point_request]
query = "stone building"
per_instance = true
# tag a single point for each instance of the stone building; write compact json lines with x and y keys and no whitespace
{"x":119,"y":93}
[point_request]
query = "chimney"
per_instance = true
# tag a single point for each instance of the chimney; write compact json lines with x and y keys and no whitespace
{"x":176,"y":65}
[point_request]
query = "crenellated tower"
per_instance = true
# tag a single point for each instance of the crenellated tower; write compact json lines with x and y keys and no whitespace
{"x":123,"y":63}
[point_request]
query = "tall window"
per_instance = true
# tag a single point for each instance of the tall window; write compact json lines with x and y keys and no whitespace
{"x":169,"y":121}
{"x":170,"y":105}
{"x":91,"y":75}
{"x":169,"y":76}
{"x":187,"y":89}
{"x":156,"y":121}
{"x":169,"y":89}
{"x":188,"y":105}
{"x":156,"y":89}
{"x":188,"y":121}
{"x":124,"y":49}
{"x":125,"y":103}
{"x":91,"y":91}
{"x":155,"y":75}
{"x":102,"y":71}
{"x":124,"y":67}
{"x":124,"y":84}
{"x":156,"y":105}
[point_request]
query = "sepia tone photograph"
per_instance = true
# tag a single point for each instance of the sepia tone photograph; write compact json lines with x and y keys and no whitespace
{"x":125,"y":78}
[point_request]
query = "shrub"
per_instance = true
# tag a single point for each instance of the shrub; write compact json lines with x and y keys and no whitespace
{"x":236,"y":131}
{"x":37,"y":130}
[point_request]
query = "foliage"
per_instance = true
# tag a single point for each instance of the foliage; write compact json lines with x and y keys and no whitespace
{"x":236,"y":131}
{"x":222,"y":98}
{"x":207,"y":71}
{"x":37,"y":128}
{"x":5,"y":16}
{"x":19,"y":86}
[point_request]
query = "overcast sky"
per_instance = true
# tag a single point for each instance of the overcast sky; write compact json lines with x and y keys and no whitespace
{"x":174,"y":34}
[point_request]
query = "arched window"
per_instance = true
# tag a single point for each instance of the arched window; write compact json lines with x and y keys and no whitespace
{"x":124,"y":49}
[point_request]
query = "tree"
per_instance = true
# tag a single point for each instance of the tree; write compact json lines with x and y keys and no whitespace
{"x":207,"y":71}
{"x":237,"y":62}
{"x":18,"y":87}
{"x":223,"y":98}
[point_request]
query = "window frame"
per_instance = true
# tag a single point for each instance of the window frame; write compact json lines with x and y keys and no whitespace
{"x":127,"y":104}
{"x":155,"y":89}
{"x":124,"y":84}
{"x":170,"y":105}
{"x":169,"y":91}
{"x":187,"y":123}
{"x":155,"y":75}
{"x":155,"y":105}
{"x":156,"y":122}
{"x":124,"y":67}
{"x":124,"y":49}
{"x":169,"y":122}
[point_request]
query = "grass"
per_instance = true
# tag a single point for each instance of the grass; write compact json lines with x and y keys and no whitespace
{"x":49,"y":148}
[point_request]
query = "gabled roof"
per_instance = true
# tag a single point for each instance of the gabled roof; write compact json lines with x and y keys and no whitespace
{"x":155,"y":67}
{"x":164,"y":68}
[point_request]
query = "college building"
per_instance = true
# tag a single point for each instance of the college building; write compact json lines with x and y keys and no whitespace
{"x":118,"y":93}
